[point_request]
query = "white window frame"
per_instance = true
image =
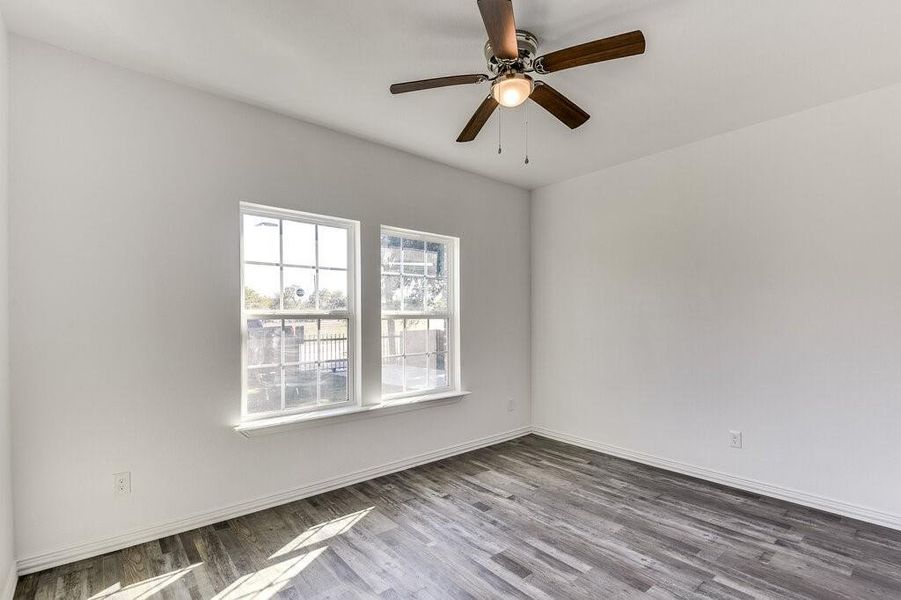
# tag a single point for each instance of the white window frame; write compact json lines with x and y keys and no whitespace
{"x":350,"y":314}
{"x":452,"y":314}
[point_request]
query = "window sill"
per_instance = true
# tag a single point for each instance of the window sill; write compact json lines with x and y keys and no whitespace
{"x":388,"y":407}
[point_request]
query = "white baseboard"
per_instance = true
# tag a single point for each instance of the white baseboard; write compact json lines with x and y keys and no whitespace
{"x":8,"y":587}
{"x":837,"y":507}
{"x":139,"y":536}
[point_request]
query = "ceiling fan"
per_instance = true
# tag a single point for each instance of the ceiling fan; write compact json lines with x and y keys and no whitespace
{"x":511,"y":55}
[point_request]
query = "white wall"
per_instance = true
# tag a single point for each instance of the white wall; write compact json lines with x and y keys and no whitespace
{"x":750,"y":281}
{"x":125,"y":317}
{"x":7,"y":555}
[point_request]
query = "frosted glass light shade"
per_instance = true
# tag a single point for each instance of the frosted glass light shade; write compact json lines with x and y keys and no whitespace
{"x":512,"y":90}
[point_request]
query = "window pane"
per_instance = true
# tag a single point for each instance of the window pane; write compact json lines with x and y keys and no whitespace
{"x":438,"y":370}
{"x":333,"y":381}
{"x":260,"y":239}
{"x":391,"y":292}
{"x":300,"y":386}
{"x":392,"y":375}
{"x":332,"y":290}
{"x":299,"y":243}
{"x":261,"y":287}
{"x":392,"y":337}
{"x":416,"y":282}
{"x":300,"y":341}
{"x":300,"y":288}
{"x":437,"y":335}
{"x":436,"y":259}
{"x":436,"y":295}
{"x":416,"y":337}
{"x":390,"y":254}
{"x":264,"y":342}
{"x":332,"y":247}
{"x":414,"y":257}
{"x":414,"y":293}
{"x":332,"y":340}
{"x":264,"y":390}
{"x":296,"y":267}
{"x":416,"y":372}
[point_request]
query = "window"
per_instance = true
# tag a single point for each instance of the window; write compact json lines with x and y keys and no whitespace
{"x":298,"y":311}
{"x":419,"y":313}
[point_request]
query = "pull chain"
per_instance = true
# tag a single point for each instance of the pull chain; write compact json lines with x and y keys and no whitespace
{"x":527,"y":134}
{"x":499,"y":111}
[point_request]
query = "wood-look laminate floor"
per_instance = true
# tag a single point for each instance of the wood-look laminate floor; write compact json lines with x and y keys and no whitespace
{"x":529,"y":518}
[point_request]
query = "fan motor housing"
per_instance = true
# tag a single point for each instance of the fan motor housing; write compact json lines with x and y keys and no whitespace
{"x":527,"y":44}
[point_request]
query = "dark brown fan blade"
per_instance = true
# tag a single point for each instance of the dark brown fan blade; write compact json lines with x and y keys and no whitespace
{"x":427,"y":84}
{"x":501,"y":27}
{"x":558,"y":105}
{"x":618,"y":46}
{"x":478,"y":120}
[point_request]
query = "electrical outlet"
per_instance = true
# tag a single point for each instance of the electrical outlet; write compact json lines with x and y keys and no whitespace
{"x":735,"y":439}
{"x":511,"y":405}
{"x":122,"y":483}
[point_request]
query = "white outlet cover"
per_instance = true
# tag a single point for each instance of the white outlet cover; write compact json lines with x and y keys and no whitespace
{"x":735,"y":439}
{"x":122,"y":483}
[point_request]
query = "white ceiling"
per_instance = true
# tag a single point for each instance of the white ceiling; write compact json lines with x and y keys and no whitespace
{"x":710,"y":66}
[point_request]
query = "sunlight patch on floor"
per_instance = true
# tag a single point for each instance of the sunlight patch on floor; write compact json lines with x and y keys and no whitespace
{"x":323,"y":531}
{"x":143,"y":589}
{"x":268,"y":582}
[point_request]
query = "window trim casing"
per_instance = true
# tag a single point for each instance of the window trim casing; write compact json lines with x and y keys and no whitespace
{"x":354,"y":342}
{"x":452,"y":315}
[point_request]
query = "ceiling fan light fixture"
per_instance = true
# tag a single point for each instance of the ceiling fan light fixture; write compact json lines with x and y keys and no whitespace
{"x":510,"y":54}
{"x":512,"y":89}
